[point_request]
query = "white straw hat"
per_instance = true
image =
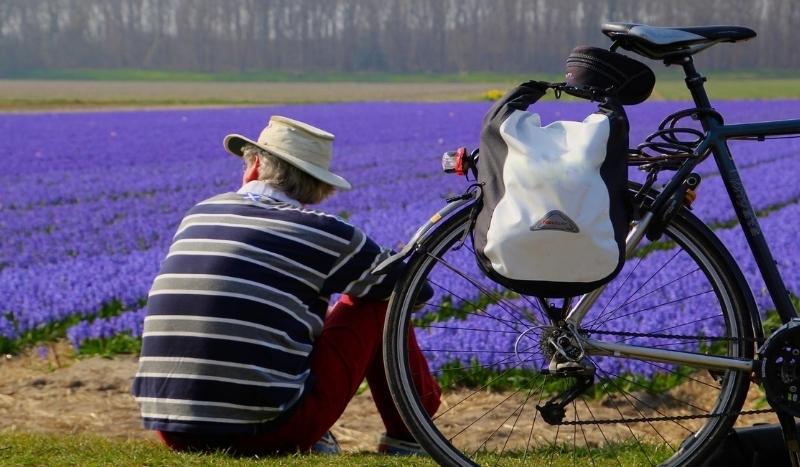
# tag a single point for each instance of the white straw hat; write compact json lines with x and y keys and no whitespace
{"x":304,"y":146}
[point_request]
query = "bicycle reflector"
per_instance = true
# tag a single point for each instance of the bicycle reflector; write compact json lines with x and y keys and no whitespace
{"x":780,"y":368}
{"x":457,"y":162}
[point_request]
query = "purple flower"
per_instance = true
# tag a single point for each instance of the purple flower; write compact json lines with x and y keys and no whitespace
{"x":78,"y":236}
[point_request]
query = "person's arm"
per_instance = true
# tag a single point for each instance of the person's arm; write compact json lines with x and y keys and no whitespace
{"x":352,"y":273}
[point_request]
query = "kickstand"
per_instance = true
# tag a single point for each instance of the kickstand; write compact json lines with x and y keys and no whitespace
{"x":789,"y":428}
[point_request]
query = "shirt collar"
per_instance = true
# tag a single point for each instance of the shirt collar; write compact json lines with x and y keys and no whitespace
{"x":258,"y":190}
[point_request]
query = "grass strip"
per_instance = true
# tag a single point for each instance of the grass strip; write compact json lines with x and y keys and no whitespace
{"x":88,"y":104}
{"x":720,"y":87}
{"x":25,"y":449}
{"x":51,"y":332}
{"x":89,"y":450}
{"x":45,"y":103}
{"x":129,"y":74}
{"x":120,"y":344}
{"x":455,"y":375}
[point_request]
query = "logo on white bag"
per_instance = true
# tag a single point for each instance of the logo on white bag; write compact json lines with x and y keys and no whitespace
{"x":556,"y":220}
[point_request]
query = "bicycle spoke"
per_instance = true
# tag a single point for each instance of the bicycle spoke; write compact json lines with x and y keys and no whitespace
{"x":519,"y":408}
{"x":456,"y":328}
{"x":675,"y":344}
{"x":533,"y":423}
{"x":667,"y":369}
{"x":516,"y":420}
{"x":542,"y":316}
{"x":501,"y":352}
{"x":626,"y":395}
{"x":574,"y":434}
{"x":669,"y":328}
{"x":599,"y":428}
{"x":553,"y":447}
{"x":583,"y":432}
{"x":654,"y":290}
{"x":506,"y":322}
{"x":630,"y":273}
{"x":487,"y":365}
{"x":479,"y":389}
{"x":671,"y":302}
{"x":527,"y":299}
{"x":618,"y":377}
{"x":698,"y":320}
{"x":483,"y":289}
{"x":483,"y":415}
{"x":645,"y":282}
{"x":630,"y":430}
{"x":464,"y":376}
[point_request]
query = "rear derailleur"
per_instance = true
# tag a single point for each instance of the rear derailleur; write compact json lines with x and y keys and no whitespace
{"x":563,"y":347}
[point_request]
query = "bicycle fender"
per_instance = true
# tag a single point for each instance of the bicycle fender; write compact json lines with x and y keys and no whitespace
{"x":451,"y":207}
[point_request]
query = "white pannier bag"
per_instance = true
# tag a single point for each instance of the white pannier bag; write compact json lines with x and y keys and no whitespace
{"x":553,"y":219}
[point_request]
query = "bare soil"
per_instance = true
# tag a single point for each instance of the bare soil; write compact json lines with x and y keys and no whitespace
{"x":58,"y":393}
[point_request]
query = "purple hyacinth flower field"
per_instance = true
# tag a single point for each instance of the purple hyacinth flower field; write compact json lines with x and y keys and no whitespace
{"x":89,"y":202}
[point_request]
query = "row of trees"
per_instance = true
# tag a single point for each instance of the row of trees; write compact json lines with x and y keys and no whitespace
{"x":357,"y":35}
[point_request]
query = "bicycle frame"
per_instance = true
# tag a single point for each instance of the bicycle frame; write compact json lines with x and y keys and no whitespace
{"x":715,"y":142}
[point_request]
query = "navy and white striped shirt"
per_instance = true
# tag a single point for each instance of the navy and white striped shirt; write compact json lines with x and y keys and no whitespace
{"x":234,"y":311}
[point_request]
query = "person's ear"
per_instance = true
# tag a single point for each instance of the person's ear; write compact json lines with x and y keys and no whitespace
{"x":251,"y":173}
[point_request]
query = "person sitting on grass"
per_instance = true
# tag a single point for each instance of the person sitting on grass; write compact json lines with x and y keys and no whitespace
{"x":240,"y":351}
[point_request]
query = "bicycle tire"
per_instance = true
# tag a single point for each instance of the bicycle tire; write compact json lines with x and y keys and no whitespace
{"x":693,"y":238}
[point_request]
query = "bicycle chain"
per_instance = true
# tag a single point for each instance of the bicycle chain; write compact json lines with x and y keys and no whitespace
{"x":675,"y":418}
{"x":668,"y":336}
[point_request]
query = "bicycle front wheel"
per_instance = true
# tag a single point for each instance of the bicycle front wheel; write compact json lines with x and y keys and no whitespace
{"x":486,"y":347}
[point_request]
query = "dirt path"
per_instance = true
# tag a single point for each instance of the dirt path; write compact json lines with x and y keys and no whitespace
{"x":55,"y":94}
{"x":57,"y":393}
{"x":61,"y":394}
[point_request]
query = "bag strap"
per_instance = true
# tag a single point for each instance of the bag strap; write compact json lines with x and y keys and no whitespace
{"x":519,"y":98}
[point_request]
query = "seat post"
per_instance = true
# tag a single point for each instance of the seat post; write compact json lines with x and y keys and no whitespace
{"x":694,"y":81}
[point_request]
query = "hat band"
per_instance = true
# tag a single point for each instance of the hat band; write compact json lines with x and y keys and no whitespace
{"x":322,"y":161}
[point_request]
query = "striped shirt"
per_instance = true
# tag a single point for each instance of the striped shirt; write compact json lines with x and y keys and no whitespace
{"x":238,"y":302}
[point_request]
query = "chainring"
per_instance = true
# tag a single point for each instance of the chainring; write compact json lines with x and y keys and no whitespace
{"x":780,"y":368}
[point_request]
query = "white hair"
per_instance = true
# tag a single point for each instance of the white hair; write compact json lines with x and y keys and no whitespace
{"x":285,"y":177}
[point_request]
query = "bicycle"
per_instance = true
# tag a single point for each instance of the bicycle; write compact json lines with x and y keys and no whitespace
{"x":660,"y":359}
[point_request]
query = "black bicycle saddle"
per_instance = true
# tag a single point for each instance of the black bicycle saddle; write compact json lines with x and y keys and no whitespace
{"x":661,"y":43}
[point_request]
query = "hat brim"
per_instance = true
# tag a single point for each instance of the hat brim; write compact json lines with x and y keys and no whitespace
{"x":234,"y":144}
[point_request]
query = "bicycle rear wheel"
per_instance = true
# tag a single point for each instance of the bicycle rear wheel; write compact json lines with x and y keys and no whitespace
{"x":483,"y":344}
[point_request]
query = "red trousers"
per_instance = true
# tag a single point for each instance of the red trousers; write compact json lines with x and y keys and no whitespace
{"x":347,"y":351}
